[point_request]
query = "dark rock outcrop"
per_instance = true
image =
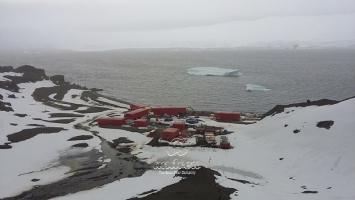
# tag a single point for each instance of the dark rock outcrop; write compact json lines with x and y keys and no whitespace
{"x":5,"y":106}
{"x":9,"y":85}
{"x":325,"y":124}
{"x":296,"y":131}
{"x":30,"y":74}
{"x":58,"y":79}
{"x":6,"y":69}
{"x":30,"y":133}
{"x":201,"y":185}
{"x":5,"y":146}
{"x":83,"y":145}
{"x":20,"y":115}
{"x":81,"y":137}
{"x":96,"y":90}
{"x":309,"y":192}
{"x":281,"y":108}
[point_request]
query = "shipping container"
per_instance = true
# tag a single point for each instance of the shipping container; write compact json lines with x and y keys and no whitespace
{"x":179,"y":125}
{"x":141,"y":122}
{"x":136,"y":114}
{"x":227,"y":116}
{"x":114,"y":121}
{"x":170,"y":133}
{"x":169,"y":110}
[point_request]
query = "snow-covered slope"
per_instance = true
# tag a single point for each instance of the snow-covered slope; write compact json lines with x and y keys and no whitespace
{"x":35,"y":158}
{"x":278,"y":163}
{"x":317,"y":158}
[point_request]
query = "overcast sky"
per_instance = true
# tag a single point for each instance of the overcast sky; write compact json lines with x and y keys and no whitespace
{"x":114,"y":24}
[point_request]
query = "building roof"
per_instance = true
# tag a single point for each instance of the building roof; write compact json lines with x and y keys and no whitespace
{"x":179,"y":122}
{"x":171,"y":130}
{"x":111,"y":118}
{"x":135,"y":111}
{"x":224,"y":112}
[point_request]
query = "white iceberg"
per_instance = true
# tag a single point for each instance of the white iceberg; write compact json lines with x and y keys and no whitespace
{"x":213,"y":71}
{"x":251,"y":87}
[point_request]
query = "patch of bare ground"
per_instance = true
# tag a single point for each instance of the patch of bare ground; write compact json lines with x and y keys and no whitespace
{"x":131,"y":129}
{"x":30,"y":133}
{"x":20,"y":115}
{"x":54,"y":115}
{"x":201,"y":185}
{"x":82,"y":145}
{"x":5,"y":146}
{"x":58,"y":121}
{"x":86,"y":95}
{"x":42,"y":95}
{"x":5,"y":106}
{"x":88,"y":174}
{"x":322,"y":102}
{"x":81,"y":137}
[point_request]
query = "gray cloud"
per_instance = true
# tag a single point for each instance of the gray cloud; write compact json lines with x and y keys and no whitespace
{"x":143,"y":23}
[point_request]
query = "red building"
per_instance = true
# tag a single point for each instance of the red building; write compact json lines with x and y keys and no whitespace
{"x":169,"y":110}
{"x":170,"y":133}
{"x":136,"y":114}
{"x":227,"y":116}
{"x":179,"y":125}
{"x":152,"y":133}
{"x":114,"y":121}
{"x":225,"y":145}
{"x":141,"y":122}
{"x":135,"y":106}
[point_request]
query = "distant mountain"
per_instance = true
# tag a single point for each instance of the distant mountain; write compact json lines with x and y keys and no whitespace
{"x":343,"y":44}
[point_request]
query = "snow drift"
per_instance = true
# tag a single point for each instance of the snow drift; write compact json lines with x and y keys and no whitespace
{"x":251,"y":87}
{"x":213,"y":71}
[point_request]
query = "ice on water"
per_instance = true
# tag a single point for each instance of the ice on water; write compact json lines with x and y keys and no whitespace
{"x":251,"y":87}
{"x":213,"y":71}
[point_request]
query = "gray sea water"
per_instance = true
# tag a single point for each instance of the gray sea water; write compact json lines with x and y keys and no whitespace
{"x":159,"y":77}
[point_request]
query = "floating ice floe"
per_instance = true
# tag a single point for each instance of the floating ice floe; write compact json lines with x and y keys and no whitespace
{"x":213,"y":71}
{"x":251,"y":87}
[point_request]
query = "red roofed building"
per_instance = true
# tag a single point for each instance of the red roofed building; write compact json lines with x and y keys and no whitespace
{"x":141,"y":122}
{"x":227,"y":116}
{"x":170,"y":133}
{"x":136,"y":114}
{"x":169,"y":110}
{"x":225,"y":145}
{"x":179,"y":125}
{"x":114,"y":121}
